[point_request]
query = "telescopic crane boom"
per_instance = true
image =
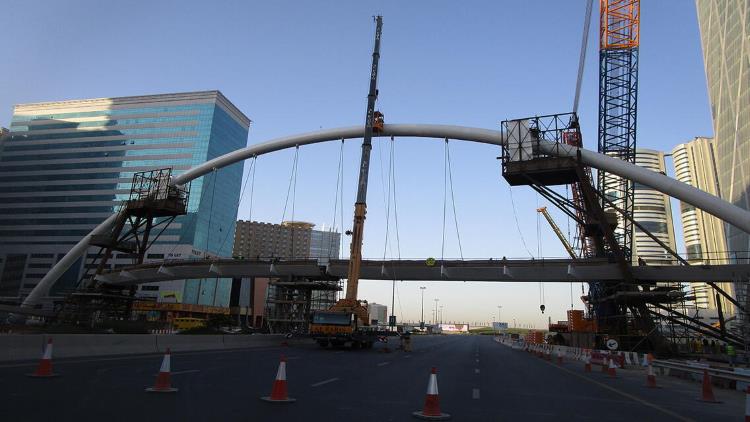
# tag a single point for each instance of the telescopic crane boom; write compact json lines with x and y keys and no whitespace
{"x":373,"y":124}
{"x":558,"y":232}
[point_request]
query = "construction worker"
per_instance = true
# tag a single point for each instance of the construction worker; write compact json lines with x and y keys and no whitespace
{"x":406,"y":342}
{"x":731,"y":353}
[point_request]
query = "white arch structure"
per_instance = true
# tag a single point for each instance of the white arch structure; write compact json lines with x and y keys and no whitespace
{"x":696,"y":197}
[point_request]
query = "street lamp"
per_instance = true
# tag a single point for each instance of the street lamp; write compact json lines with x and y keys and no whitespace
{"x":498,"y":312}
{"x":436,"y":310}
{"x":441,"y":314}
{"x":422,"y":288}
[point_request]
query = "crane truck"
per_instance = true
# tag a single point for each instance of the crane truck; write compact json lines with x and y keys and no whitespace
{"x":347,"y":322}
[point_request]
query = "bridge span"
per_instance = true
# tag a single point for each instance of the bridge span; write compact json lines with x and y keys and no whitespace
{"x":532,"y":270}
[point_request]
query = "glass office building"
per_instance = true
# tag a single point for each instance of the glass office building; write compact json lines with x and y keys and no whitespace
{"x":65,"y":166}
{"x":725,"y":36}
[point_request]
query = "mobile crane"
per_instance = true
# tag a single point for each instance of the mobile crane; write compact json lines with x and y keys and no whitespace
{"x":347,"y":322}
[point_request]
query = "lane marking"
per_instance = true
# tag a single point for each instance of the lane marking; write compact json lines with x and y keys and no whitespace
{"x":324,"y":382}
{"x":383,"y":363}
{"x":477,"y":360}
{"x":475,"y":394}
{"x":187,"y":371}
{"x":407,"y":356}
{"x":622,"y":393}
{"x":476,"y":370}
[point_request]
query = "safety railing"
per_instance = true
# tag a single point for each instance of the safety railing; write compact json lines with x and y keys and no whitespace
{"x":700,"y":369}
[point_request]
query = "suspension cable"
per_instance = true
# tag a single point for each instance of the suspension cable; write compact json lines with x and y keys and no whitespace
{"x":453,"y":199}
{"x":210,"y":215}
{"x":243,"y":191}
{"x":292,"y":177}
{"x":518,"y":226}
{"x":445,"y":195}
{"x":336,"y":199}
{"x":395,"y":207}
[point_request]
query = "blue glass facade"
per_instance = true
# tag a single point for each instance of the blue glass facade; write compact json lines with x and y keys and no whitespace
{"x":65,"y":166}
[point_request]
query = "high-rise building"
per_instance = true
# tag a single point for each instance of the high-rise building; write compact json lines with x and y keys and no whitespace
{"x":290,"y":239}
{"x":725,"y":36}
{"x":652,"y":210}
{"x":66,"y":166}
{"x":378,"y":313}
{"x":705,"y":243}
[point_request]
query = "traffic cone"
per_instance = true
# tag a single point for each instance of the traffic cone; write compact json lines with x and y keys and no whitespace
{"x":707,"y":392}
{"x":612,"y":369}
{"x":651,"y":378}
{"x":431,"y":410}
{"x":587,"y":361}
{"x":559,"y":357}
{"x":163,"y":382}
{"x":604,"y":364}
{"x":44,"y":370}
{"x":279,"y":392}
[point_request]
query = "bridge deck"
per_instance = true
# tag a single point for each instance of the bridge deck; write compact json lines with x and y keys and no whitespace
{"x":546,"y":270}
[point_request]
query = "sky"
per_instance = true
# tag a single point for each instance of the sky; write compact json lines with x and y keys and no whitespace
{"x":295,"y":67}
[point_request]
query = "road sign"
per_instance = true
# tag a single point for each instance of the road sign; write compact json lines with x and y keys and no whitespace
{"x":612,"y":344}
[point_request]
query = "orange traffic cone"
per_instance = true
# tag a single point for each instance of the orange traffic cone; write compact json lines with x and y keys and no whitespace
{"x":587,"y":360}
{"x":651,"y":378}
{"x":559,"y":357}
{"x":604,"y":364}
{"x":431,"y":410}
{"x":707,"y":392}
{"x":163,"y":382}
{"x":44,"y":370}
{"x":612,"y":369}
{"x":279,"y":392}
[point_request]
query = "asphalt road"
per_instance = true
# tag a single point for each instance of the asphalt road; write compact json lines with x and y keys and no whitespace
{"x":479,"y":380}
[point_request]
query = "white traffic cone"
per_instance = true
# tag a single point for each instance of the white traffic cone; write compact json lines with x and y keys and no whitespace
{"x":44,"y":370}
{"x":431,"y":410}
{"x":163,"y":382}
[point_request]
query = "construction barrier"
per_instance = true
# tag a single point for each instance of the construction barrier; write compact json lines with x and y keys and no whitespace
{"x":17,"y":347}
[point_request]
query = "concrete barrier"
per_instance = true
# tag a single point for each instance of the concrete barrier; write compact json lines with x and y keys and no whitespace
{"x":16,"y":347}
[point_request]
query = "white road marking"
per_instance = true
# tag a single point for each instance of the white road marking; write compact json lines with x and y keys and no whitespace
{"x":476,"y":370}
{"x":188,"y":371}
{"x":318,"y":384}
{"x":477,"y":360}
{"x":383,"y":363}
{"x":407,"y":356}
{"x":475,"y":394}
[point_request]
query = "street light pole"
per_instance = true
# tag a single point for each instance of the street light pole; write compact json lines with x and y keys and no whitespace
{"x":436,"y":310}
{"x":422,"y":288}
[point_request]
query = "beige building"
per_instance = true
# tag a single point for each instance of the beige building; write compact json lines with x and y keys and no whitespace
{"x":705,"y":241}
{"x":652,"y":210}
{"x":253,"y":239}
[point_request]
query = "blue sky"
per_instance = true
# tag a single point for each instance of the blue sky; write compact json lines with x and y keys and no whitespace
{"x":298,"y":66}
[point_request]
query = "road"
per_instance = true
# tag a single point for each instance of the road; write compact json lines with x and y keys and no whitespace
{"x":479,"y":380}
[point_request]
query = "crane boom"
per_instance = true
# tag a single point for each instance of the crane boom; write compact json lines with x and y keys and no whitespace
{"x":558,"y":232}
{"x":360,"y":207}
